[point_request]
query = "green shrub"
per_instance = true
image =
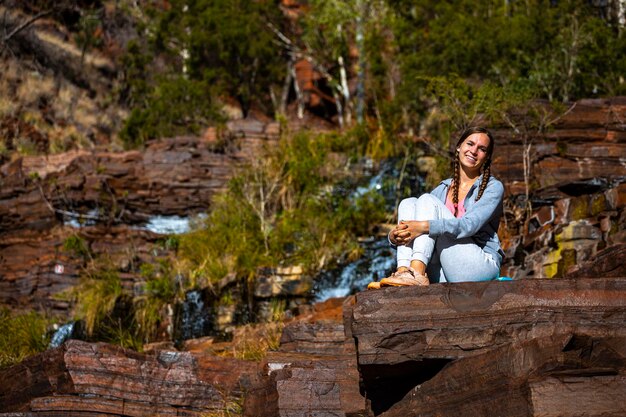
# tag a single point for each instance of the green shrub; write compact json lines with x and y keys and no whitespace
{"x":150,"y":307}
{"x":77,"y":246}
{"x":97,"y":296}
{"x":176,"y":106}
{"x":21,"y":335}
{"x":282,"y":209}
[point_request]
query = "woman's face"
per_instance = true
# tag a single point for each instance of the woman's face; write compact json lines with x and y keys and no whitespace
{"x":473,"y":151}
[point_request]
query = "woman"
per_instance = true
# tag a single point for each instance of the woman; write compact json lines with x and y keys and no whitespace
{"x":450,"y":235}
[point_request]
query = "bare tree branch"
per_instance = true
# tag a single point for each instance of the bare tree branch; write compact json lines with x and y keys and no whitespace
{"x":26,"y":24}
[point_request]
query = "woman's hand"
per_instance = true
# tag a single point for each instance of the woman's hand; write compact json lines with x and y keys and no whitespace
{"x":407,"y":230}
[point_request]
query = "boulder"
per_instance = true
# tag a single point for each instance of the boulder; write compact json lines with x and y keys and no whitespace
{"x":407,"y":337}
{"x":560,"y":375}
{"x":314,"y":372}
{"x":79,"y":378}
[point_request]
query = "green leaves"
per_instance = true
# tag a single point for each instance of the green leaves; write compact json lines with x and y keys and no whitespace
{"x":198,"y":53}
{"x":285,"y":209}
{"x":21,"y":335}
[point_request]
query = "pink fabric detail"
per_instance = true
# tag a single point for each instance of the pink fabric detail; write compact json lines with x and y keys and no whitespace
{"x":450,"y":206}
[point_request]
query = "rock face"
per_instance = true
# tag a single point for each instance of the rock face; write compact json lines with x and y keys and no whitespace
{"x":99,"y":197}
{"x":315,"y":370}
{"x":521,"y":348}
{"x":575,"y":175}
{"x":524,"y":348}
{"x":584,"y":141}
{"x":36,"y":266}
{"x":92,"y":379}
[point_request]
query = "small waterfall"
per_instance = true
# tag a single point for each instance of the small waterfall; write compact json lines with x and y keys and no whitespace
{"x":379,"y":259}
{"x":164,"y":225}
{"x":377,"y":262}
{"x":168,"y":224}
{"x":62,"y":334}
{"x":194,"y":317}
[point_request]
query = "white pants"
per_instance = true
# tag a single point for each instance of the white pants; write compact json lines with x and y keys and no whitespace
{"x":447,"y":259}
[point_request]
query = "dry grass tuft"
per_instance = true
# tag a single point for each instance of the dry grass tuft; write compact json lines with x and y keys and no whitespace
{"x":253,"y":341}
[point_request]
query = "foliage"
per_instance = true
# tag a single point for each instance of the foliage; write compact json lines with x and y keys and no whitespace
{"x":160,"y":291}
{"x":112,"y":313}
{"x":562,"y":50}
{"x":175,"y":106}
{"x":98,"y":294}
{"x":207,"y":50}
{"x":253,"y":341}
{"x":78,"y":246}
{"x":282,"y":209}
{"x":21,"y":335}
{"x":331,"y":32}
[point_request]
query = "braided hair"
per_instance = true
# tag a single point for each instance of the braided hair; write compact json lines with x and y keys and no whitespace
{"x":486,"y":167}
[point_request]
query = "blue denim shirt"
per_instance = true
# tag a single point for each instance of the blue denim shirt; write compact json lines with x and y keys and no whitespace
{"x":481,"y":218}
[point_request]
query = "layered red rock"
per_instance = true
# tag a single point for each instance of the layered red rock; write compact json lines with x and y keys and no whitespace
{"x":85,"y":378}
{"x":525,"y":348}
{"x":175,"y":176}
{"x":315,"y":370}
{"x":522,"y":348}
{"x":587,"y":140}
{"x":452,"y":321}
{"x":563,"y":375}
{"x":37,"y":267}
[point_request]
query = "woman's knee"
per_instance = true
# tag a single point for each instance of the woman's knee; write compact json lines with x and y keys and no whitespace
{"x":412,"y":203}
{"x":407,"y":203}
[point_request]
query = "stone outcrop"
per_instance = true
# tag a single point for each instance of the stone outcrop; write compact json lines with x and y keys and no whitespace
{"x":175,"y":176}
{"x":524,"y":348}
{"x":36,"y":266}
{"x":314,"y":372}
{"x":561,"y":236}
{"x":80,"y":378}
{"x":576,"y":175}
{"x":99,"y":196}
{"x":520,"y":348}
{"x":585,"y":141}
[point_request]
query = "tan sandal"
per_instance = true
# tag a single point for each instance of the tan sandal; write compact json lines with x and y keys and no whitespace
{"x":374,"y":285}
{"x":404,"y":278}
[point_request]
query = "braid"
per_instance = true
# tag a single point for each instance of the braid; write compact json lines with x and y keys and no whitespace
{"x":486,"y":176}
{"x":455,"y":183}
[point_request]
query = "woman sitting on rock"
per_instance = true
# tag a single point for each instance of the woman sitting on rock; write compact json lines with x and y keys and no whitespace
{"x":450,"y":235}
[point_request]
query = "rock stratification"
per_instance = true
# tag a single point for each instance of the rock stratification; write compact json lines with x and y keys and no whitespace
{"x":523,"y":349}
{"x":520,"y":348}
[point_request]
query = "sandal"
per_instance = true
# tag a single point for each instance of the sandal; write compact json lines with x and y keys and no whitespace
{"x":374,"y":285}
{"x":408,"y":277}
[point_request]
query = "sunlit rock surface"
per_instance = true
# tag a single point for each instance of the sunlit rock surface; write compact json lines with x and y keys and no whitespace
{"x":81,"y":377}
{"x":519,"y":348}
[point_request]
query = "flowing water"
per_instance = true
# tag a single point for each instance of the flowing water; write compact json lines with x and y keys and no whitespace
{"x":378,"y":259}
{"x":62,"y":334}
{"x":194,"y":318}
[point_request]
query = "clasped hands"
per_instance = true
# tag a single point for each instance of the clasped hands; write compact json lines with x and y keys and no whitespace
{"x":407,"y":230}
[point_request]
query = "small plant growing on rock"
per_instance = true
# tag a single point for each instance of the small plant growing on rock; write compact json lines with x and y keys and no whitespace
{"x":151,"y":308}
{"x":21,"y":335}
{"x":97,"y":295}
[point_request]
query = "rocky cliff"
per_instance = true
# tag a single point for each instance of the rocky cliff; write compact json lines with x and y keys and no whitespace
{"x":522,"y":348}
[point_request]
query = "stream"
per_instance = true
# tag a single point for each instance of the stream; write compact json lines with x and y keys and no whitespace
{"x":392,"y":179}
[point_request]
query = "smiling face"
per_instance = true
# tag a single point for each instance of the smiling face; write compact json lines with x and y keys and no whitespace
{"x":474,"y":151}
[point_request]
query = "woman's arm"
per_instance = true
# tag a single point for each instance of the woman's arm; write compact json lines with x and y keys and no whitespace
{"x":475,"y":218}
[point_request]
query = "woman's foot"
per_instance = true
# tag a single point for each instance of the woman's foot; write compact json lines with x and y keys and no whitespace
{"x":374,"y":285}
{"x":404,"y":278}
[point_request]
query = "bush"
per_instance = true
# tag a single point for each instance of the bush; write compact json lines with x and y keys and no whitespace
{"x":282,"y":209}
{"x":21,"y":335}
